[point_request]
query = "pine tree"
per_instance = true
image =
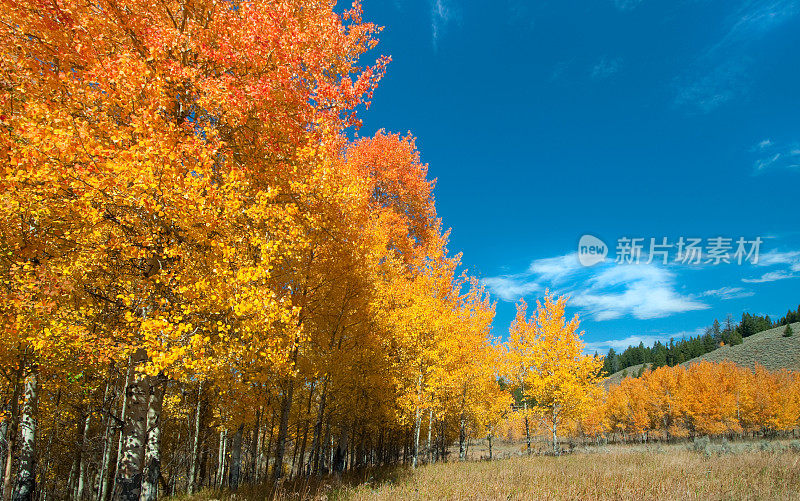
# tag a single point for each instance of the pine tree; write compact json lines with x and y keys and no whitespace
{"x":788,"y":332}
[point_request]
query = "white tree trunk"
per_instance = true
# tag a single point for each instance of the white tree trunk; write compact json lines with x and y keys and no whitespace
{"x":429,"y":445}
{"x":12,"y":431}
{"x":84,"y":445}
{"x":555,"y":426}
{"x":195,"y":441}
{"x":417,"y":426}
{"x":102,"y":475}
{"x":121,"y":425}
{"x":152,"y":453}
{"x":26,"y":474}
{"x":127,"y":485}
{"x":220,"y":475}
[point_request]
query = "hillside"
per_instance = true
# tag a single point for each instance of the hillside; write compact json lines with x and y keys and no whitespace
{"x":768,"y":348}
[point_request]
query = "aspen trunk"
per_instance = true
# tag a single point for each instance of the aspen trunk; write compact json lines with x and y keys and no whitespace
{"x":236,"y":459}
{"x":417,"y":422}
{"x":462,"y":436}
{"x":82,"y":451}
{"x":254,"y":448}
{"x":127,"y":485}
{"x":417,"y":426}
{"x":26,"y":474}
{"x":316,"y":444}
{"x":195,"y":441}
{"x":283,"y":429}
{"x":123,"y":414}
{"x":102,"y":475}
{"x":152,"y":452}
{"x":305,"y":428}
{"x":340,"y":453}
{"x":4,"y":445}
{"x":428,"y":445}
{"x":260,"y":432}
{"x":12,"y":431}
{"x":219,"y":476}
{"x":555,"y":436}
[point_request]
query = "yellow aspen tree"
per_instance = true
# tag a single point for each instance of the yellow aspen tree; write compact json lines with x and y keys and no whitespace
{"x":563,"y":381}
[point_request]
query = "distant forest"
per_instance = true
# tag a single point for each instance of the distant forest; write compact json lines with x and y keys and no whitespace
{"x":677,"y":352}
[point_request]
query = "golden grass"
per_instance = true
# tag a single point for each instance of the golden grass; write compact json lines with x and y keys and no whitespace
{"x":606,"y":472}
{"x":666,"y":473}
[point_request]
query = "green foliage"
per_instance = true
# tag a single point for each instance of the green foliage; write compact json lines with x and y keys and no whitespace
{"x":788,"y":332}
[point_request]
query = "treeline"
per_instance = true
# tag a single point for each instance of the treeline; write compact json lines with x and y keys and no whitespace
{"x":790,"y":317}
{"x":205,"y":282}
{"x":679,"y":351}
{"x":705,"y":398}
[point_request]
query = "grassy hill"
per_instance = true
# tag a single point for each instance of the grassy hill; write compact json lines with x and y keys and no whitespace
{"x":768,"y":348}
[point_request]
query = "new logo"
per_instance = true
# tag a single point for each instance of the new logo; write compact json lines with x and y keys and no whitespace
{"x":591,"y":250}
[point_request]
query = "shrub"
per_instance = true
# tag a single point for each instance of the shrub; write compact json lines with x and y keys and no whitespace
{"x":701,"y":444}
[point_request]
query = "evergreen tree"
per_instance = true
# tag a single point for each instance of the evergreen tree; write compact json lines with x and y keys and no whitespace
{"x":716,"y":331}
{"x":788,"y":332}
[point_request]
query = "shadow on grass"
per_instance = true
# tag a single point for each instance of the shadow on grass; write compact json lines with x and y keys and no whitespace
{"x":328,"y":487}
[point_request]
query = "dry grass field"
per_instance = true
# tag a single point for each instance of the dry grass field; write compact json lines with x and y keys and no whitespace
{"x":736,"y":471}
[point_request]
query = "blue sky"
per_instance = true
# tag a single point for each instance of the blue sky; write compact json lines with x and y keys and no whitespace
{"x":544,"y":121}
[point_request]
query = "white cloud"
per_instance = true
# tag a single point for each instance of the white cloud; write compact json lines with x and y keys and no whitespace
{"x":776,"y":257}
{"x":551,"y":270}
{"x":726,"y":293}
{"x":789,"y":261}
{"x":606,"y":291}
{"x":511,"y":287}
{"x":771,"y":276}
{"x":442,"y":13}
{"x":757,"y":17}
{"x":776,"y":156}
{"x":647,"y":291}
{"x":555,"y":269}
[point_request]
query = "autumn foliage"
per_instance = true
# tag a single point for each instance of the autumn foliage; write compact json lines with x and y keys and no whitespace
{"x":209,"y":280}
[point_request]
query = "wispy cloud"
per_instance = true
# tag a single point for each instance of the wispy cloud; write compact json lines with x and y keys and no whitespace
{"x":775,"y":156}
{"x":556,"y":269}
{"x":512,"y":287}
{"x":726,"y":293}
{"x":788,"y":261}
{"x":720,"y":73}
{"x":757,"y":17}
{"x":771,"y":276}
{"x":551,"y":270}
{"x":709,"y":90}
{"x":443,"y":12}
{"x":606,"y":67}
{"x":776,"y":257}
